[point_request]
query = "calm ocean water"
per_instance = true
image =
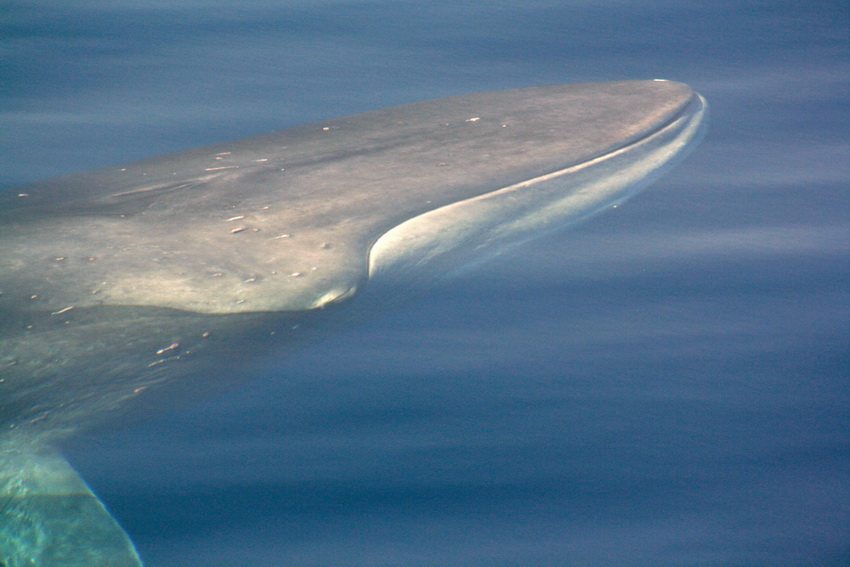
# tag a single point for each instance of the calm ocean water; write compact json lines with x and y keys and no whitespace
{"x":664,"y":385}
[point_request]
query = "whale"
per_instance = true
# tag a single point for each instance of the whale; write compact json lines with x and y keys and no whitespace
{"x":132,"y":288}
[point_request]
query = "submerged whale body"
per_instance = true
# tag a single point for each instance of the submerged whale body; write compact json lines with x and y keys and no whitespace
{"x":126,"y":281}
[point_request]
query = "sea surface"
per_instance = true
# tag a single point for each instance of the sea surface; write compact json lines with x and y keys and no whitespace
{"x":666,"y":384}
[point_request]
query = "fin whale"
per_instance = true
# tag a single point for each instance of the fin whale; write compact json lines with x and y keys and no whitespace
{"x":126,"y":281}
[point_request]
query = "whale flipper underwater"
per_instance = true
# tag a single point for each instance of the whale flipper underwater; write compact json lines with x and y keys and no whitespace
{"x":127,"y":281}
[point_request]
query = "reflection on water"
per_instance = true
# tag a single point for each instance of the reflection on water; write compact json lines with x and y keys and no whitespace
{"x":663,"y":385}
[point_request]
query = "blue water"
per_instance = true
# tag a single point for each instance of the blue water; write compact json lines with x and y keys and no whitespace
{"x":665,"y":385}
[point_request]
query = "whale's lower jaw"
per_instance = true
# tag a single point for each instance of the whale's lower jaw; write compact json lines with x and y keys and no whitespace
{"x":458,"y":236}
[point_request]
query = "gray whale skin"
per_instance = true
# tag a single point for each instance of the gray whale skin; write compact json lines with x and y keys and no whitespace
{"x":127,"y":281}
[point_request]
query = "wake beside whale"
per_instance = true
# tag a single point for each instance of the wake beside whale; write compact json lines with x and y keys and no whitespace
{"x":119,"y":284}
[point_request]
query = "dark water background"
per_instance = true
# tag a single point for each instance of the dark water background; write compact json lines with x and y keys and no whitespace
{"x":665,"y":385}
